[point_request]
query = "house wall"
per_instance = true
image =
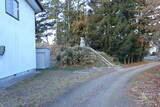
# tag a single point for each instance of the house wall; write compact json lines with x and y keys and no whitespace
{"x":153,"y":49}
{"x":19,"y":39}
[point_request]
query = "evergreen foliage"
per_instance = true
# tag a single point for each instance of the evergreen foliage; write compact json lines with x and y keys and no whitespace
{"x":46,"y":21}
{"x":118,"y":27}
{"x":76,"y":56}
{"x":115,"y":29}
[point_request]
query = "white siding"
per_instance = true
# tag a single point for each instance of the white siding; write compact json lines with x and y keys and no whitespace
{"x":19,"y":39}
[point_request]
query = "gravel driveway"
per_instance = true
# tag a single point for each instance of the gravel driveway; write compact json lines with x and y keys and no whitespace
{"x":106,"y":91}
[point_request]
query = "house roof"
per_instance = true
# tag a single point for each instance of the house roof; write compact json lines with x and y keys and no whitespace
{"x":35,"y":5}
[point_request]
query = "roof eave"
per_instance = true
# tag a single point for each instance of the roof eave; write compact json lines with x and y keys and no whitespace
{"x":35,"y":5}
{"x":39,"y":4}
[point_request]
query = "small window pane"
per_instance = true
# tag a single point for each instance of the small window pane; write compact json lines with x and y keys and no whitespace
{"x":15,"y":9}
{"x":12,"y":8}
{"x":9,"y":4}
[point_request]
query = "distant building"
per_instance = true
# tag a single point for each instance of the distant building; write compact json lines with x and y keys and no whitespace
{"x":154,"y":49}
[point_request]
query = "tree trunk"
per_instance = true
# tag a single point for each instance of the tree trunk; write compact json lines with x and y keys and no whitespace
{"x":128,"y":59}
{"x":124,"y":60}
{"x":132,"y":59}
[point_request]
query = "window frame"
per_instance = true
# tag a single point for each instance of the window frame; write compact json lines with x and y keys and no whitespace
{"x":17,"y":18}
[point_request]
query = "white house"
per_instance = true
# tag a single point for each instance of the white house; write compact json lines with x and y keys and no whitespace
{"x":153,"y":48}
{"x":17,"y":36}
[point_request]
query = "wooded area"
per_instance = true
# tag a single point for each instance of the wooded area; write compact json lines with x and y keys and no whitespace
{"x":121,"y":28}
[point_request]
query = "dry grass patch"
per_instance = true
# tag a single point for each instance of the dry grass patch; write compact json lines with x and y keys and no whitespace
{"x":138,"y":63}
{"x":45,"y":87}
{"x":145,"y":88}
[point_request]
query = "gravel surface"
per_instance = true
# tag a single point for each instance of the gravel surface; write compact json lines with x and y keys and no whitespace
{"x":46,"y":86}
{"x":106,"y":91}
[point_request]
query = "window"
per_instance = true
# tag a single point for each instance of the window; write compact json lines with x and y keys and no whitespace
{"x":12,"y":8}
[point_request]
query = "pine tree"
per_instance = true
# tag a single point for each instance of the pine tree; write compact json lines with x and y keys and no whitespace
{"x":113,"y":29}
{"x":47,"y":20}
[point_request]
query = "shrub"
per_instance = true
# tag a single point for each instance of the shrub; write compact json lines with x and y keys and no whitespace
{"x":76,"y":56}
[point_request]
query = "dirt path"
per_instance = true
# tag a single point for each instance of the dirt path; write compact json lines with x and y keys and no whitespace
{"x":106,"y":91}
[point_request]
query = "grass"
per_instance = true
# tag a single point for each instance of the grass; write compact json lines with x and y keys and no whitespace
{"x":67,"y":68}
{"x":45,"y":86}
{"x":146,"y":84}
{"x":157,"y":71}
{"x":32,"y":78}
{"x":53,"y":68}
